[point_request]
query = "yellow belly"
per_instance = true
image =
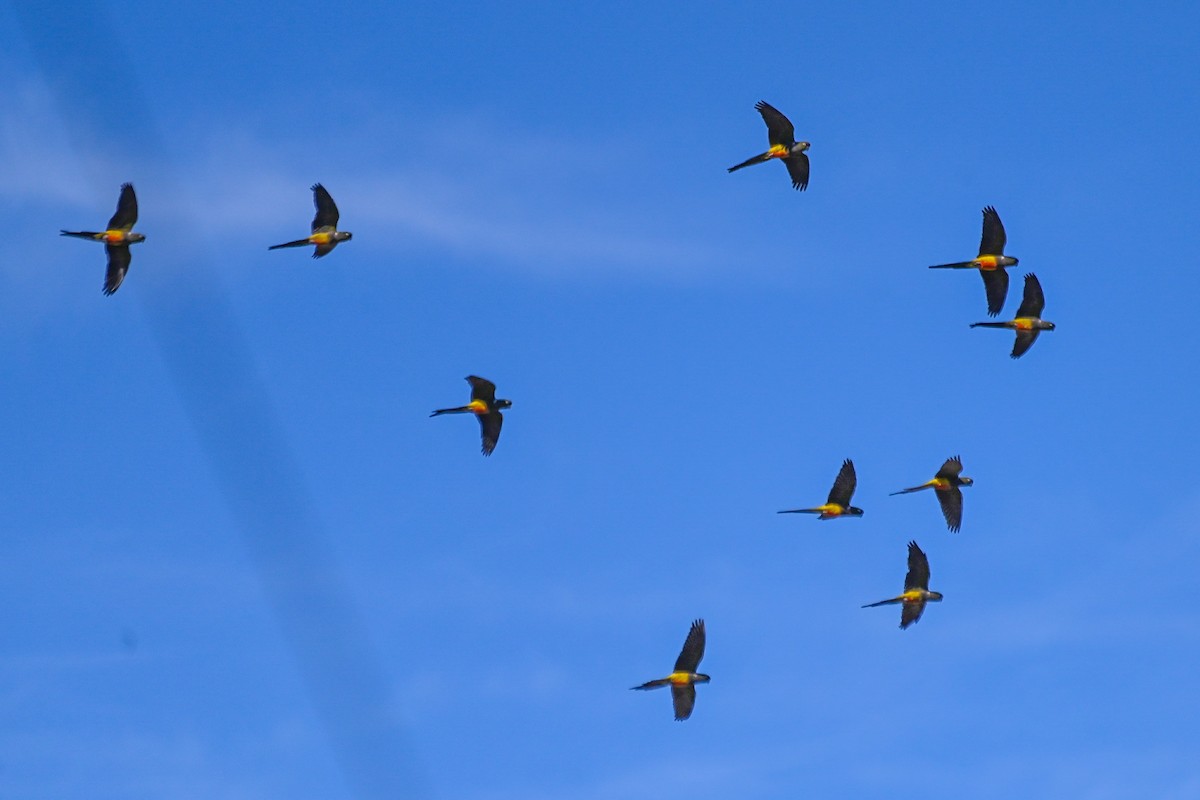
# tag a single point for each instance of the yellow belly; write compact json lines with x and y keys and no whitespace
{"x":320,"y":238}
{"x":1023,"y":323}
{"x":831,"y":510}
{"x":477,"y":407}
{"x":987,"y":262}
{"x":680,"y":678}
{"x":777,"y":151}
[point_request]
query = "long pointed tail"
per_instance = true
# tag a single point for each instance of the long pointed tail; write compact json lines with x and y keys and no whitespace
{"x":989,"y":324}
{"x":890,"y":602}
{"x":79,"y":234}
{"x":297,"y":243}
{"x":653,"y":684}
{"x":910,"y":489}
{"x":758,"y":159}
{"x":955,"y":265}
{"x":800,"y":511}
{"x":459,"y":410}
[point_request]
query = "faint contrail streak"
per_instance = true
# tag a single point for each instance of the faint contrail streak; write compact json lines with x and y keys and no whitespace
{"x":77,"y":47}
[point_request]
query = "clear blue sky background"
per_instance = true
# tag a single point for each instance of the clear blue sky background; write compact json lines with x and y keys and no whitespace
{"x":240,"y":561}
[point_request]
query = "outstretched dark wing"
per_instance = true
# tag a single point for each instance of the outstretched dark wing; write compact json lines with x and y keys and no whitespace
{"x":911,"y":613}
{"x":995,"y":283}
{"x":844,"y":485}
{"x":489,"y":430}
{"x":779,"y":127}
{"x":951,"y":502}
{"x":994,"y":238}
{"x":1025,"y":340}
{"x":118,"y":265}
{"x":1034,"y":301}
{"x":684,"y":699}
{"x":693,"y":650}
{"x":327,"y":212}
{"x":797,"y":167}
{"x":951,"y":469}
{"x":126,"y":216}
{"x":918,"y":569}
{"x":482,"y":389}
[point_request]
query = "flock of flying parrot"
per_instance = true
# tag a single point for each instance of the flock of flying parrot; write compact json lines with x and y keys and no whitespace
{"x":991,"y":262}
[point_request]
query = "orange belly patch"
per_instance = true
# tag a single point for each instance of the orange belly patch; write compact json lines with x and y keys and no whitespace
{"x":987,"y":262}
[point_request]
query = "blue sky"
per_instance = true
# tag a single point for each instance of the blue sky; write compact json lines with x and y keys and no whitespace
{"x":242,"y":562}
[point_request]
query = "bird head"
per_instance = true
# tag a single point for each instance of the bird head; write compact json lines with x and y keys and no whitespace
{"x":135,"y":237}
{"x":965,"y":481}
{"x":702,"y":678}
{"x":1049,"y":325}
{"x":935,"y":597}
{"x":504,"y":404}
{"x":854,"y":511}
{"x":343,"y":236}
{"x":800,"y":147}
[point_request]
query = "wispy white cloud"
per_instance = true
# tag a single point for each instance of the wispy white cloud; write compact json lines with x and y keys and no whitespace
{"x":514,"y":201}
{"x":38,"y":161}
